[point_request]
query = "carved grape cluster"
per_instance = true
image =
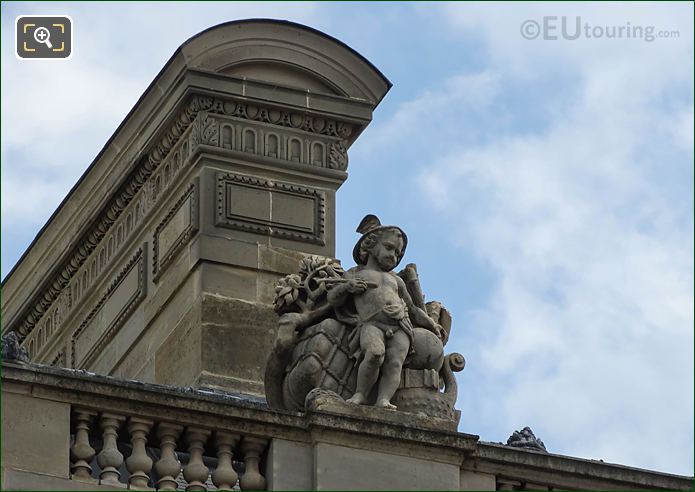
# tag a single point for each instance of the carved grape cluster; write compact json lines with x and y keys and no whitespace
{"x":301,"y":292}
{"x":327,"y":267}
{"x":287,"y":292}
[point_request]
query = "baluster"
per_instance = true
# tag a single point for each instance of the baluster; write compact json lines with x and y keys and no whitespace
{"x":138,"y":463}
{"x":251,"y":448}
{"x":82,"y":452}
{"x":195,"y":472}
{"x":224,"y":477}
{"x":110,"y":458}
{"x":168,"y":467}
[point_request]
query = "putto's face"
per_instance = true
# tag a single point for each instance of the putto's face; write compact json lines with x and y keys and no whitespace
{"x":387,"y":250}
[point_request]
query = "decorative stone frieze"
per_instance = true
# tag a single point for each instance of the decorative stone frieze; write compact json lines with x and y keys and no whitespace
{"x":130,"y":205}
{"x":266,"y":140}
{"x":200,"y":122}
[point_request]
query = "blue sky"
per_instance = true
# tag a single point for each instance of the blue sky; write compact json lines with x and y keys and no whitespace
{"x":546,"y":187}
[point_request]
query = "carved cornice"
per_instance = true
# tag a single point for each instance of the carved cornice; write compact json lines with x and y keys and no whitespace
{"x":291,"y":119}
{"x":208,"y":135}
{"x":89,"y":242}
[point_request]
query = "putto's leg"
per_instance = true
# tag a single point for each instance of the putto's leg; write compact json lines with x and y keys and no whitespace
{"x":396,"y":352}
{"x":372,"y":345}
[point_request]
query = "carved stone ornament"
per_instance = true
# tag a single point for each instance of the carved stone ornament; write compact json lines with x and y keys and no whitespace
{"x":364,"y":336}
{"x":526,"y":439}
{"x":195,"y":125}
{"x":12,"y":350}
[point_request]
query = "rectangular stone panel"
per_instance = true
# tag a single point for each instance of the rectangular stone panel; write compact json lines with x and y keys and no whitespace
{"x":35,"y":435}
{"x":175,"y":229}
{"x":126,"y":291}
{"x":22,"y":480}
{"x":247,"y":203}
{"x":343,"y":468}
{"x":295,"y":212}
{"x":477,"y":481}
{"x":270,"y":208}
{"x":289,"y":465}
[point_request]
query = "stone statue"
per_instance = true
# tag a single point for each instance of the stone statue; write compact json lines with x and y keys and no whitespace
{"x":526,"y":439}
{"x":12,"y":349}
{"x":366,"y":334}
{"x":383,"y":336}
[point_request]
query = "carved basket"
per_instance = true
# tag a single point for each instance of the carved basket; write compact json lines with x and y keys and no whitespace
{"x":320,"y":360}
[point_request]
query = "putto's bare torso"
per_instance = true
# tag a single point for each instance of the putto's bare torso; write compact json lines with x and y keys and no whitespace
{"x":370,"y":305}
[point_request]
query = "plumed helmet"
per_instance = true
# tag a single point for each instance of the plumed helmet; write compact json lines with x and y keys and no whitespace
{"x":371,"y":223}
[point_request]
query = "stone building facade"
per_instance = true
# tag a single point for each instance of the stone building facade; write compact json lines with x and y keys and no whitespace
{"x":145,"y":305}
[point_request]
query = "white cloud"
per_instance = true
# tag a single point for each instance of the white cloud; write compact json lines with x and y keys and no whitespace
{"x":459,"y":91}
{"x":588,"y":332}
{"x":564,"y":166}
{"x":681,"y":128}
{"x":56,"y":116}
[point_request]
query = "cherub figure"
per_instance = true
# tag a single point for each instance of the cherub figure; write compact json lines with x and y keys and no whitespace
{"x":383,"y":336}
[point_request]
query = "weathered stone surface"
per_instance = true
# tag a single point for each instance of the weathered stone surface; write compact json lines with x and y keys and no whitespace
{"x":535,"y":486}
{"x":319,"y":400}
{"x":469,"y":480}
{"x":341,"y":468}
{"x":290,"y":465}
{"x":179,"y":359}
{"x":279,"y":260}
{"x":229,"y":282}
{"x":157,"y":339}
{"x":235,"y":335}
{"x":35,"y":435}
{"x":24,"y":480}
{"x":566,"y":472}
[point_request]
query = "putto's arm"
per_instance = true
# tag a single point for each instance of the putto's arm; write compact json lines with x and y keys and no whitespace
{"x":338,"y":294}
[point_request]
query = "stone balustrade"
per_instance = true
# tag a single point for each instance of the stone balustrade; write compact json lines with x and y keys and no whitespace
{"x":147,"y":453}
{"x":64,"y":429}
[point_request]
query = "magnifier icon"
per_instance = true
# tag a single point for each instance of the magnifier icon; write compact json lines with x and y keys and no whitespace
{"x":43,"y":35}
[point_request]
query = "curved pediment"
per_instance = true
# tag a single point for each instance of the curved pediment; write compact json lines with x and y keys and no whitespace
{"x":283,"y":73}
{"x":289,"y":54}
